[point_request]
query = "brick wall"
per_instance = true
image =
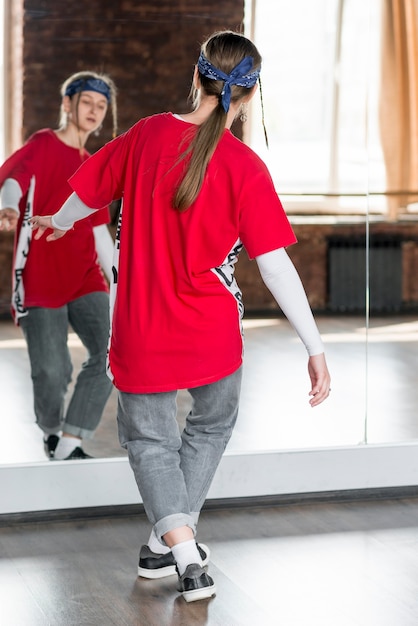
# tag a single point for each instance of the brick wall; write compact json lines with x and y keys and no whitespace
{"x":148,"y":48}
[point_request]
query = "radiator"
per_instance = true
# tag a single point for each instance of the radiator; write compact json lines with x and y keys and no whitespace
{"x":347,"y":274}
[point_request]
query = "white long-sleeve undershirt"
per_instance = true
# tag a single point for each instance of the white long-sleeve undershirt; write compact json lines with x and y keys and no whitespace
{"x":71,"y":211}
{"x":11,"y":194}
{"x":104,"y":248}
{"x":75,"y":208}
{"x":281,"y":278}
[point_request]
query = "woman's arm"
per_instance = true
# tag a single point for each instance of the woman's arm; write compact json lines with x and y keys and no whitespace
{"x":281,"y":278}
{"x":104,"y":248}
{"x":71,"y":211}
{"x":10,"y":195}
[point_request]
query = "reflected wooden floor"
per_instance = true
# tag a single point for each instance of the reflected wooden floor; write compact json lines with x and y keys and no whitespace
{"x":322,"y":564}
{"x":374,"y":393}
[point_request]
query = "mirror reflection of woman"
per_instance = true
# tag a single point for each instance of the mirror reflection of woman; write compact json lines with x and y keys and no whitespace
{"x":55,"y":287}
{"x":193,"y":196}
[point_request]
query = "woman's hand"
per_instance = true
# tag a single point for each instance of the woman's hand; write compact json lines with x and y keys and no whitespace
{"x":42,"y":223}
{"x":8,"y":219}
{"x":320,"y":379}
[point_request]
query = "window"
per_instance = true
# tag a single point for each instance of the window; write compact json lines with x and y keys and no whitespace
{"x":320,"y":82}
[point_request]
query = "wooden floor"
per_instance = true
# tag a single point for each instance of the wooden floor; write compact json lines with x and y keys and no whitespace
{"x":342,"y":564}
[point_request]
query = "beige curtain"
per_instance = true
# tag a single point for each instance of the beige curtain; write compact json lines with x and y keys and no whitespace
{"x":399,"y":101}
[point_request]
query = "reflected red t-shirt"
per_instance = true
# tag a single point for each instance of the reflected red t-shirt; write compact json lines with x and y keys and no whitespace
{"x":59,"y":271}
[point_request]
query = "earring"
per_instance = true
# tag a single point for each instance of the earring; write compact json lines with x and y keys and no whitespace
{"x":243,"y":112}
{"x":97,"y":131}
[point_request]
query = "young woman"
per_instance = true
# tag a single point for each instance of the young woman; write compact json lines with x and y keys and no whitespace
{"x":54,"y":286}
{"x":193,"y":196}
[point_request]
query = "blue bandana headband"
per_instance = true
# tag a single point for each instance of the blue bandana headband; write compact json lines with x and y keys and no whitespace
{"x":88,"y":84}
{"x":239,"y":76}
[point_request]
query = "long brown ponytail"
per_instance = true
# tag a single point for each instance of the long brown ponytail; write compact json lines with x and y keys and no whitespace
{"x":224,"y":50}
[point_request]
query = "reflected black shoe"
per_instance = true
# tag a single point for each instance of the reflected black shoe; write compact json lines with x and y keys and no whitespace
{"x":196,"y":584}
{"x":77,"y":453}
{"x":152,"y":565}
{"x":50,"y":443}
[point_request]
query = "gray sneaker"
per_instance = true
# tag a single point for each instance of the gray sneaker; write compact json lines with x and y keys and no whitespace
{"x":196,"y":584}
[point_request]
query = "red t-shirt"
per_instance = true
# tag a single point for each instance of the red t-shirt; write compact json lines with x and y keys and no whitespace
{"x":177,"y":312}
{"x":59,"y":271}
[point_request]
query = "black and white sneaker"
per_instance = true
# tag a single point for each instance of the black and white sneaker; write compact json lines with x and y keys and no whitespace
{"x":196,"y":584}
{"x":152,"y":565}
{"x":77,"y":453}
{"x":50,"y":443}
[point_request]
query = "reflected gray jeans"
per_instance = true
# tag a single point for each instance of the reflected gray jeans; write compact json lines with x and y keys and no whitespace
{"x":174,"y":471}
{"x":46,"y":334}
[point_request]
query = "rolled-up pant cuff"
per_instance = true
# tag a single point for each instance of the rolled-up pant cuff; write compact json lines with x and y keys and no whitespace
{"x":77,"y":431}
{"x":171,"y":522}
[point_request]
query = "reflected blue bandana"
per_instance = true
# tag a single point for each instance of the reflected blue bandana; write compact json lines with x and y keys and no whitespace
{"x":88,"y":84}
{"x":239,"y":76}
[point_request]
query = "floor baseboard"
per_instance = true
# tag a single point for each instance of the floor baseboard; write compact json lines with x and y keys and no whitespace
{"x":131,"y":510}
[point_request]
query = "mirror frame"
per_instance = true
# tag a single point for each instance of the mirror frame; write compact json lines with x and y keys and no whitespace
{"x":51,"y":486}
{"x":93,"y":483}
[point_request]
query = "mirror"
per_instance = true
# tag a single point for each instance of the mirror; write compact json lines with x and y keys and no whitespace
{"x":392,"y":239}
{"x":321,"y":91}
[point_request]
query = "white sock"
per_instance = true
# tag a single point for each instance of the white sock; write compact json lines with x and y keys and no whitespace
{"x":155,"y":545}
{"x":186,"y":553}
{"x":65,"y":446}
